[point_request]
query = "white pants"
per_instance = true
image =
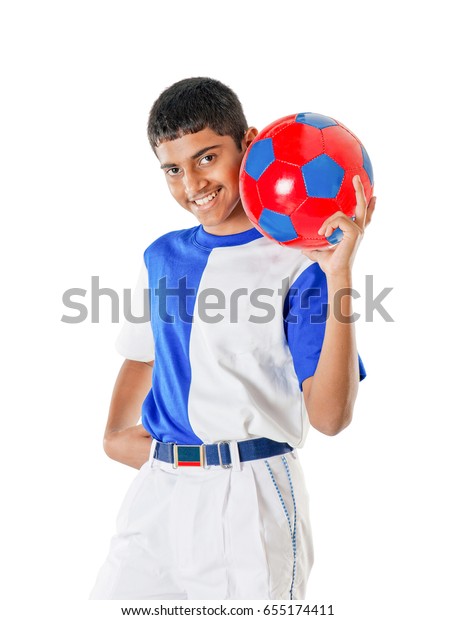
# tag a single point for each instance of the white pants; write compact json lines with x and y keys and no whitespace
{"x":193,"y":533}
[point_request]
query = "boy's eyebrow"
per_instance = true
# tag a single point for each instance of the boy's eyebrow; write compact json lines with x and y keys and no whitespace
{"x":195,"y":156}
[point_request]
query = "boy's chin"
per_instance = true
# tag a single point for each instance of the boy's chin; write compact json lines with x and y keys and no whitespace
{"x":210,"y":219}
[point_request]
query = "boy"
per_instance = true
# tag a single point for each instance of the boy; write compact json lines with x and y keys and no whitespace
{"x":219,"y":509}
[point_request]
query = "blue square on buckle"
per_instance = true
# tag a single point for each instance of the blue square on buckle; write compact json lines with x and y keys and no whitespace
{"x":189,"y":456}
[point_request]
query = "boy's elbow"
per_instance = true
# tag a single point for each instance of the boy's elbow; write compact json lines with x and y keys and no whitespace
{"x":110,"y":445}
{"x":332,"y":424}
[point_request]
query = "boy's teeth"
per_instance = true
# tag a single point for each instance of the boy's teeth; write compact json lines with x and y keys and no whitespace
{"x":207,"y":199}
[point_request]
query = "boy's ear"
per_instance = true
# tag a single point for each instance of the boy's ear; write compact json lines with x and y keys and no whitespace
{"x":249,"y":136}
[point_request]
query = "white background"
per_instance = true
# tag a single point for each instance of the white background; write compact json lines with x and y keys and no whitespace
{"x":82,"y":195}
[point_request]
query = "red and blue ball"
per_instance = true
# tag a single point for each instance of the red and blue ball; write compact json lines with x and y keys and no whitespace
{"x":298,"y":172}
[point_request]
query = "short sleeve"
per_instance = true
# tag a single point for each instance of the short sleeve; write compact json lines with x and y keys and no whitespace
{"x":135,"y":340}
{"x":305,"y":314}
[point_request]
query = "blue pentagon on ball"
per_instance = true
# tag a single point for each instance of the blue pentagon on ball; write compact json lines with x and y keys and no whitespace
{"x":323,"y":177}
{"x":335,"y":237}
{"x":277,"y":225}
{"x":260,"y":157}
{"x":367,"y":164}
{"x":315,"y":120}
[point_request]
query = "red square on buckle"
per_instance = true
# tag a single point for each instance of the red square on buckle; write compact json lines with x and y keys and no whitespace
{"x":188,"y":456}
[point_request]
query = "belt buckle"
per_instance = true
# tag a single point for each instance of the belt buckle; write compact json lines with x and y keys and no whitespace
{"x":227,"y":465}
{"x":189,"y":456}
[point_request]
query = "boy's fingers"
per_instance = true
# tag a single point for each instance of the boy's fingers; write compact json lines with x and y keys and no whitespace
{"x":361,"y":201}
{"x":315,"y":255}
{"x":363,"y":213}
{"x":311,"y":254}
{"x":338,"y":220}
{"x":370,"y":210}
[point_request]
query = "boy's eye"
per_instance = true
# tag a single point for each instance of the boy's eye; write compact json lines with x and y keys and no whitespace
{"x":207,"y":158}
{"x":172,"y":171}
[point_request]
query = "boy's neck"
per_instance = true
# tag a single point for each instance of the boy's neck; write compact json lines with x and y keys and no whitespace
{"x":236,"y":223}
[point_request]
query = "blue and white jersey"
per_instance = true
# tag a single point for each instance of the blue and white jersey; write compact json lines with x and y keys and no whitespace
{"x":237,"y":323}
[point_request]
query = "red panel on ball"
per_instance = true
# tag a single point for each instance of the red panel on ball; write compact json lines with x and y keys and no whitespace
{"x":348,"y":130}
{"x":341,"y":146}
{"x":346,"y":199}
{"x":298,"y":144}
{"x":308,"y":244}
{"x":249,"y":197}
{"x":271,"y":130}
{"x":281,"y":187}
{"x":308,"y":218}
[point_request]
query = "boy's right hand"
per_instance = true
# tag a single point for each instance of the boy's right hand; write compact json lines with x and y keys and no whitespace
{"x":130,"y":446}
{"x":125,"y":440}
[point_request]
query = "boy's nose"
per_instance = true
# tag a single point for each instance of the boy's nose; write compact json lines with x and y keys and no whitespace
{"x":193,"y":183}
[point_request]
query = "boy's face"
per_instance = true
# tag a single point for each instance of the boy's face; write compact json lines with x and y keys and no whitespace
{"x":202,"y":172}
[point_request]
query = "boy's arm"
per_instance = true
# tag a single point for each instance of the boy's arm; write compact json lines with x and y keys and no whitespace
{"x":331,"y":392}
{"x":125,"y":440}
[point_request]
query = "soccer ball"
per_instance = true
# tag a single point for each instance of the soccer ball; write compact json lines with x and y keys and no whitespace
{"x":297,"y":172}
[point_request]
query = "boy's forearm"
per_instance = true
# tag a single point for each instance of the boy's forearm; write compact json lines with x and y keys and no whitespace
{"x":334,"y":386}
{"x":124,"y":440}
{"x":130,"y":446}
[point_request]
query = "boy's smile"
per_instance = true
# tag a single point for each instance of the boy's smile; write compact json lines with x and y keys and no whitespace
{"x":202,"y":172}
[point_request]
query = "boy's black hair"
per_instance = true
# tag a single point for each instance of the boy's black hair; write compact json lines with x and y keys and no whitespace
{"x":190,"y":105}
